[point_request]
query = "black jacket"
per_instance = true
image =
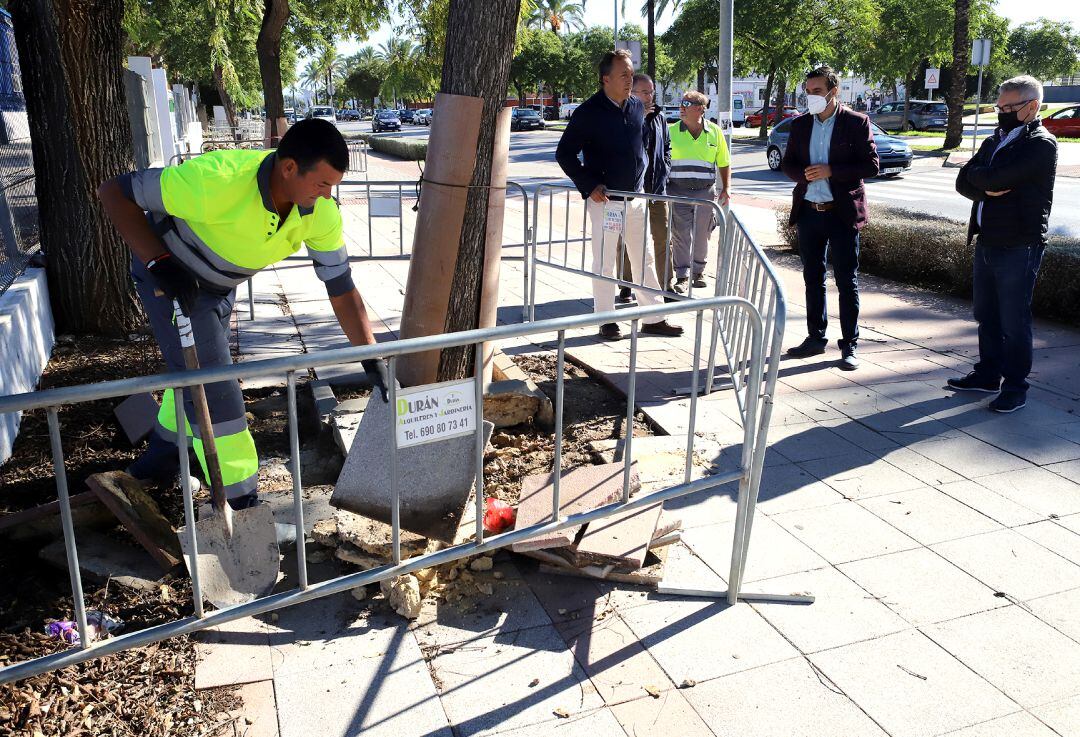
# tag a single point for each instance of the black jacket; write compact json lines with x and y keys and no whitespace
{"x":1026,"y":167}
{"x":657,"y":152}
{"x":610,"y":142}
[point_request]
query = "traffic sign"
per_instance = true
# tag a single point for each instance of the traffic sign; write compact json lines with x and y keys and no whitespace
{"x":933,"y":77}
{"x":634,"y":47}
{"x":980,"y":52}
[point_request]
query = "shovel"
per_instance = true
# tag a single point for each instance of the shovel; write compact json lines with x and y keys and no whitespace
{"x":237,"y":555}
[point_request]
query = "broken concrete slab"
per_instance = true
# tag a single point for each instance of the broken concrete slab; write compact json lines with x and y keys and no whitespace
{"x":139,"y":514}
{"x":345,"y":419}
{"x":621,"y":540}
{"x":137,"y":416}
{"x":661,"y":459}
{"x":103,"y":558}
{"x":323,"y":395}
{"x":503,"y":368}
{"x":434,"y":479}
{"x":580,"y":489}
{"x":368,"y":536}
{"x":514,"y":402}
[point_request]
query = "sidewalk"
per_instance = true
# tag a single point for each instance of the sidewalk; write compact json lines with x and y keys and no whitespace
{"x":942,"y":542}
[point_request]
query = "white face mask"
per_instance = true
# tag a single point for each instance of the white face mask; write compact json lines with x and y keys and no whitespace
{"x":816,"y":104}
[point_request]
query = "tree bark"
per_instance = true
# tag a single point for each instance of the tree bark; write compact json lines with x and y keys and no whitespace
{"x":651,"y":40}
{"x":763,"y":131}
{"x":268,"y":47}
{"x":701,"y":80}
{"x":477,"y":64}
{"x":71,"y":54}
{"x":909,"y":82}
{"x":958,"y":77}
{"x":223,"y":93}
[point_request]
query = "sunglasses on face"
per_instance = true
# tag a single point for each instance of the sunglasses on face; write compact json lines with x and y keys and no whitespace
{"x":690,"y":103}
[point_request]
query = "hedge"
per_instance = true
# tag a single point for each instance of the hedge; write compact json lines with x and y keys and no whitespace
{"x":402,"y":148}
{"x":932,"y":252}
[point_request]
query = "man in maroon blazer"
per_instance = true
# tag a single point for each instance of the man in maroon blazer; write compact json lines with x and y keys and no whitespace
{"x":829,"y":152}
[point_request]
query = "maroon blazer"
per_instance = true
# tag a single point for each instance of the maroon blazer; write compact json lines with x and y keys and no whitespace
{"x":852,"y":156}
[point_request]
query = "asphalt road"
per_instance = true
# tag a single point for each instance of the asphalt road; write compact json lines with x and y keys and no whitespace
{"x":926,"y":188}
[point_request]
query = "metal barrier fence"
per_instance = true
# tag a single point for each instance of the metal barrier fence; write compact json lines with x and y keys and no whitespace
{"x":52,"y":399}
{"x":741,"y":270}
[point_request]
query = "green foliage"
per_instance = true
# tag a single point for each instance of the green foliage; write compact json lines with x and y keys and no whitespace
{"x":1045,"y":49}
{"x":539,"y":58}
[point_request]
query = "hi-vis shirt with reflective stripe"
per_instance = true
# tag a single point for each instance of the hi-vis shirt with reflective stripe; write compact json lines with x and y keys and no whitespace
{"x":216,"y":216}
{"x":695,"y":161}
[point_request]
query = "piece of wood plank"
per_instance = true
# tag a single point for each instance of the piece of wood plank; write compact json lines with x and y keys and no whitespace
{"x":139,"y":514}
{"x":621,"y":540}
{"x":45,"y":510}
{"x":580,"y":490}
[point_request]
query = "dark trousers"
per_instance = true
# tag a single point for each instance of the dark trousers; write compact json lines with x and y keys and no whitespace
{"x":1004,"y":279}
{"x":822,"y":234}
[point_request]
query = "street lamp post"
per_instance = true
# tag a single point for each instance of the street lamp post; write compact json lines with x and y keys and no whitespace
{"x":724,"y":68}
{"x":980,"y":56}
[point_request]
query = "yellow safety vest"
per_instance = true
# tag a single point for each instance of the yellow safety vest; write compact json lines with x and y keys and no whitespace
{"x":695,"y":161}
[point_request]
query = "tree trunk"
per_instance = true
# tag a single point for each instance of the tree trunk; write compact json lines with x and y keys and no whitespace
{"x":908,"y":83}
{"x":520,"y":88}
{"x":226,"y":100}
{"x":763,"y":131}
{"x":268,"y":47}
{"x":958,"y":77}
{"x":466,"y":178}
{"x":72,"y":56}
{"x":651,"y":41}
{"x":701,"y":80}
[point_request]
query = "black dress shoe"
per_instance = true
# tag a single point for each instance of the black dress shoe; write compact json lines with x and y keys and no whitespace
{"x":662,"y":328}
{"x":809,"y":347}
{"x":625,"y":296}
{"x":699,"y":281}
{"x":974,"y":383}
{"x":610,"y":331}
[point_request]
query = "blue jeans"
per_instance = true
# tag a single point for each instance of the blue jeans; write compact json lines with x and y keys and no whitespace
{"x":819,"y":234}
{"x":1004,"y":279}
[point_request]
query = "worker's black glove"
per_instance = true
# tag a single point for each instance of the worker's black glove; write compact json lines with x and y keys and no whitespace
{"x":380,"y":380}
{"x":174,"y":280}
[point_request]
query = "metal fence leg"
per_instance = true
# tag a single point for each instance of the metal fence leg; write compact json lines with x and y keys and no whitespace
{"x":68,"y":526}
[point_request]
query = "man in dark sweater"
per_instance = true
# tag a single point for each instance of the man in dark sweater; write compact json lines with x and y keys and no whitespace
{"x":602,"y":150}
{"x":1010,"y":182}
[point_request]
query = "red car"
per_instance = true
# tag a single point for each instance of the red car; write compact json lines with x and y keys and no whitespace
{"x":753,"y":120}
{"x":1064,"y":123}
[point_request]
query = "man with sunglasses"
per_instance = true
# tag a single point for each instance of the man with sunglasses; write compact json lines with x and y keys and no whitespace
{"x":1010,"y":182}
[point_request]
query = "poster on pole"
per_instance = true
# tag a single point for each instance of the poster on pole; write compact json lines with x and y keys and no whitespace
{"x":933,"y":79}
{"x":634,"y":47}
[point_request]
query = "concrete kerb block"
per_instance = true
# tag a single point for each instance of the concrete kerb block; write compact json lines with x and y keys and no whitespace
{"x":515,"y":401}
{"x":137,"y":415}
{"x":322,"y":392}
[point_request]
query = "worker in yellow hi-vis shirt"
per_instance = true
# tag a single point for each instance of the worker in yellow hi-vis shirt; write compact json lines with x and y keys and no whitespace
{"x":198,"y":230}
{"x":699,"y":157}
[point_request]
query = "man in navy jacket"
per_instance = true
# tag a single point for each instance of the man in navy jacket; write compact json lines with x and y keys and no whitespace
{"x":602,"y":150}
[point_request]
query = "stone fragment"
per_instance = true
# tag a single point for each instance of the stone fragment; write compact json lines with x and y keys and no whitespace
{"x":483,"y":563}
{"x":403,"y":593}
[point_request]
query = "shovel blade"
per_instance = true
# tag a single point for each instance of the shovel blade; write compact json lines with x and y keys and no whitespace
{"x":239,"y":568}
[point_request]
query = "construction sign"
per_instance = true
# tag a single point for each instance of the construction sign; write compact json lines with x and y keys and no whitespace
{"x":933,"y":77}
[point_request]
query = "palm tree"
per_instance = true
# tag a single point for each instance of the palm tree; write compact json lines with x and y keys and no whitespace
{"x":397,"y":55}
{"x":653,"y":9}
{"x":560,"y":14}
{"x":312,"y":77}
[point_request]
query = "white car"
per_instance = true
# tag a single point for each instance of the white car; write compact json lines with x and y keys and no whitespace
{"x":567,"y":109}
{"x":323,"y":111}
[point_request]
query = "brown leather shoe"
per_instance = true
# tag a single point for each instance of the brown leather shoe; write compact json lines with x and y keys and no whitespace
{"x":662,"y":328}
{"x":610,"y":331}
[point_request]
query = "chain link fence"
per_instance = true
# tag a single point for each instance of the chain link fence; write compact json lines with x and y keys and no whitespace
{"x":19,"y":230}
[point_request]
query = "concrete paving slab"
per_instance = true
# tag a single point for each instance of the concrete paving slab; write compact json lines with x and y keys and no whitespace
{"x":1030,"y":441}
{"x":330,"y":631}
{"x":1020,"y":724}
{"x":587,"y":724}
{"x":1037,"y":489}
{"x":921,"y":586}
{"x":808,"y":441}
{"x":137,"y":416}
{"x":1059,"y":611}
{"x":860,"y":475}
{"x":1068,"y":469}
{"x":1063,"y":716}
{"x":922,"y":468}
{"x":1055,"y":537}
{"x":990,"y":503}
{"x":654,"y":717}
{"x":1005,"y":560}
{"x":841,"y":614}
{"x":860,"y":435}
{"x":673,"y":633}
{"x":773,"y":550}
{"x":232,"y":653}
{"x":617,"y":664}
{"x":567,"y":598}
{"x":844,"y":532}
{"x":257,"y":714}
{"x":1029,"y":660}
{"x":510,"y":607}
{"x":790,"y":487}
{"x":381,"y":695}
{"x":621,"y":540}
{"x":910,"y":686}
{"x":488,"y":685}
{"x":929,"y":515}
{"x":969,"y":457}
{"x":787,"y":697}
{"x":683,"y":569}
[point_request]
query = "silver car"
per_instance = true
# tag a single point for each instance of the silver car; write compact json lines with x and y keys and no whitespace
{"x":894,"y":154}
{"x":922,"y":115}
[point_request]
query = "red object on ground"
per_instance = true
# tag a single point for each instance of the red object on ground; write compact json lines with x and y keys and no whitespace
{"x":498,"y":515}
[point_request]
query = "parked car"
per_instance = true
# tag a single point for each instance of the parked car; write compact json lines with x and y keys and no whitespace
{"x":894,"y":154}
{"x":551,"y":112}
{"x":408,"y":116}
{"x":385,"y":120}
{"x":422,"y":116}
{"x":323,"y":111}
{"x":1064,"y":123}
{"x":922,"y":115}
{"x":753,"y":120}
{"x":567,"y":109}
{"x":290,"y":115}
{"x":524,"y":118}
{"x":671,"y":113}
{"x":348,"y":114}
